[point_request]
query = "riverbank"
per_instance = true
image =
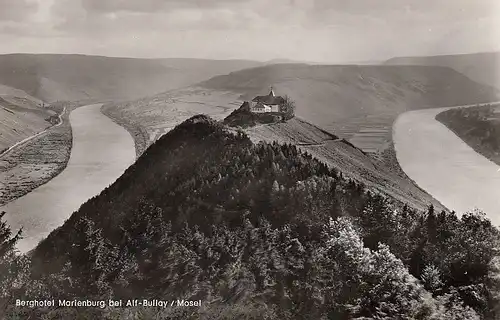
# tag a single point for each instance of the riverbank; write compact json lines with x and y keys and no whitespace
{"x":138,"y":133}
{"x":445,"y":166}
{"x":39,"y":159}
{"x":149,"y":118}
{"x":100,"y":153}
{"x":36,"y":161}
{"x":479,"y":127}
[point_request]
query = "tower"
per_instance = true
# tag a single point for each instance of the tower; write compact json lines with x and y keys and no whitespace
{"x":272,"y":92}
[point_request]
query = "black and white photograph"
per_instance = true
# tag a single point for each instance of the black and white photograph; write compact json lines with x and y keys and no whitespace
{"x":250,"y":159}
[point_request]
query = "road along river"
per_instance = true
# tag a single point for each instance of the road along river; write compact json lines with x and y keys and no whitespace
{"x":445,"y":166}
{"x":101,"y":152}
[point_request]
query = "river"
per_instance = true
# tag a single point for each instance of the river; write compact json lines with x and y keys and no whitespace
{"x":101,"y":152}
{"x":445,"y":166}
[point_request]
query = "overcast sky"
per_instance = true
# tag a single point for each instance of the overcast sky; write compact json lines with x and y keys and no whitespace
{"x":312,"y":30}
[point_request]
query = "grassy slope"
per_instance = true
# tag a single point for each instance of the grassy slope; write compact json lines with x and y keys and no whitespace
{"x":346,"y":158}
{"x":20,"y":117}
{"x":480,"y":67}
{"x":77,"y":77}
{"x":347,"y":99}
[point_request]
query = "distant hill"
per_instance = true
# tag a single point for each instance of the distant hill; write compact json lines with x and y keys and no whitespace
{"x":52,"y":77}
{"x":480,"y":67}
{"x":21,"y":116}
{"x":286,"y":61}
{"x":27,"y":79}
{"x":257,"y":231}
{"x":348,"y":99}
{"x":347,"y":91}
{"x":6,"y":91}
{"x":358,"y":103}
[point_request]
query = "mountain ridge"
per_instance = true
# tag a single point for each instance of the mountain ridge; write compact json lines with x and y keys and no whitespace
{"x":351,"y":99}
{"x":483,"y":67}
{"x":256,"y":229}
{"x":71,"y":77}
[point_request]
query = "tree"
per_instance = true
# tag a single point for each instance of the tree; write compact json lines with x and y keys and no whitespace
{"x":374,"y":283}
{"x":11,"y":265}
{"x":288,"y":108}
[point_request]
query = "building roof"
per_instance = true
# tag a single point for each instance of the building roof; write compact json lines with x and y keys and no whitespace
{"x":269,"y":99}
{"x":259,"y":106}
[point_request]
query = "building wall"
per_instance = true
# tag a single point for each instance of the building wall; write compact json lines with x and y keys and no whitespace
{"x":275,"y":108}
{"x":261,"y":110}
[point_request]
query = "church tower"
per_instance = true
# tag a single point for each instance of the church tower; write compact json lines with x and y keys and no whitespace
{"x":271,"y":94}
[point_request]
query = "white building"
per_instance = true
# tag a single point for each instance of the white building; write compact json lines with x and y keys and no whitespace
{"x":269,"y":103}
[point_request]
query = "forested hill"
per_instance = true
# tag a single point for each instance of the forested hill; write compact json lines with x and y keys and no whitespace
{"x":260,"y":232}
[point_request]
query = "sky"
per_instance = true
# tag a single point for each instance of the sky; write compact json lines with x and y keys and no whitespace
{"x":305,"y":30}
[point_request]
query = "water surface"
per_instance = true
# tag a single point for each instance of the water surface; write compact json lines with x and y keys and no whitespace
{"x":101,"y":152}
{"x":445,"y":166}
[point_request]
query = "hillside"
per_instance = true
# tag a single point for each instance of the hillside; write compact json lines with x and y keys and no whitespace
{"x":52,"y":77}
{"x":21,"y":116}
{"x":149,"y":118}
{"x":478,"y":126}
{"x":480,"y":67}
{"x":343,"y":156}
{"x":6,"y":91}
{"x":256,"y":231}
{"x":357,"y":102}
{"x":40,"y":159}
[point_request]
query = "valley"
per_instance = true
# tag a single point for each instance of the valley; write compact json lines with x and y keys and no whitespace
{"x":263,"y":221}
{"x":101,"y":152}
{"x":250,"y":159}
{"x":145,"y":181}
{"x":73,"y":77}
{"x":356,"y":141}
{"x":444,"y":165}
{"x":358,"y":103}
